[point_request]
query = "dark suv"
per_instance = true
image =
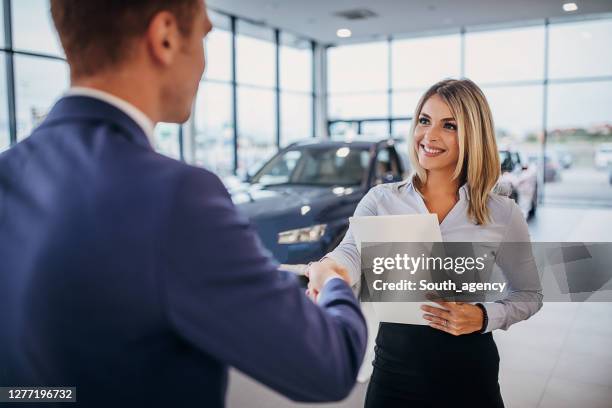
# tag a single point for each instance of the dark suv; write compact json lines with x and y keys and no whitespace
{"x":301,"y":199}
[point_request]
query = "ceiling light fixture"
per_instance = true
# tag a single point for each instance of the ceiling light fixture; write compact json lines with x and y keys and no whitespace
{"x":570,"y":7}
{"x":344,"y":33}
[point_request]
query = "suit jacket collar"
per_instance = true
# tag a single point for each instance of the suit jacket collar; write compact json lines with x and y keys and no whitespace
{"x":70,"y":108}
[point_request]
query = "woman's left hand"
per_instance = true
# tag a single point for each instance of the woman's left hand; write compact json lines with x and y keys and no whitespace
{"x":454,"y":317}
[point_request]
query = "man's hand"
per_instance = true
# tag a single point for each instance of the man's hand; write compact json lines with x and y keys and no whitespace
{"x":319,"y":272}
{"x":454,"y":317}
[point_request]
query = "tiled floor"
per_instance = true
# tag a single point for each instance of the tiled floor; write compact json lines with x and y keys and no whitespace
{"x":561,"y":357}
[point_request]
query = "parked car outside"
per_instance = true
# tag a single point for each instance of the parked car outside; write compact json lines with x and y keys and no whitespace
{"x":552,"y":168}
{"x":520,"y":180}
{"x":603,"y":155}
{"x":564,"y":157}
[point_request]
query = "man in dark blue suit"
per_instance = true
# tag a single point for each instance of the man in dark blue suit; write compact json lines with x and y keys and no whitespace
{"x":131,"y":275}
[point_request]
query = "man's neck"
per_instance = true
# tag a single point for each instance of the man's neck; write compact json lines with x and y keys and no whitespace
{"x":132,"y":90}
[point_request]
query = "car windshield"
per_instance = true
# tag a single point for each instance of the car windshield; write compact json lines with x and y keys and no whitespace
{"x":317,"y":165}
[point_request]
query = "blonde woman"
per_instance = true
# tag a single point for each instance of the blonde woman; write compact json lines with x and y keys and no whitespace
{"x":453,"y":361}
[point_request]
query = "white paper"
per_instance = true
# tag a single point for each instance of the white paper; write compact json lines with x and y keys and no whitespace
{"x":397,"y":228}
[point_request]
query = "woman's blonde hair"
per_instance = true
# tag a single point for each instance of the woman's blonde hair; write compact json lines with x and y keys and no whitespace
{"x":480,"y":168}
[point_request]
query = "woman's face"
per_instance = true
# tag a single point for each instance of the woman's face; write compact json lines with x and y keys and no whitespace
{"x":436,"y":136}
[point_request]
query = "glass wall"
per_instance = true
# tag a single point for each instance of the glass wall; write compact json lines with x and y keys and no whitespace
{"x":167,"y":140}
{"x":214,"y":128}
{"x":271,"y":111}
{"x":549,"y":85}
{"x":256,"y":97}
{"x":296,"y":89}
{"x":35,"y":94}
{"x":579,"y":113}
{"x":39,"y":71}
{"x":391,"y":83}
{"x":509,"y":66}
{"x":358,"y":83}
{"x":505,"y":55}
{"x":422,"y":61}
{"x":33,"y":29}
{"x":213,"y":123}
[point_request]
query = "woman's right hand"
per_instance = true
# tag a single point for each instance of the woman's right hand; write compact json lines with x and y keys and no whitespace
{"x":320,"y":272}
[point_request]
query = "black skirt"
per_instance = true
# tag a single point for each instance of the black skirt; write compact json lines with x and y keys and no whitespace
{"x":417,"y":366}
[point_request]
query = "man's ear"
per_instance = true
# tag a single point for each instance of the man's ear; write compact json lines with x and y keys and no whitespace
{"x":163,"y":38}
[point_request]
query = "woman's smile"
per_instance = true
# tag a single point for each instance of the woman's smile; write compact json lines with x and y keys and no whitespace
{"x":430,"y":151}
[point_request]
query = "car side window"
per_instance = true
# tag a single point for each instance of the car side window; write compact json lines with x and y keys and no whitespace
{"x":387,"y":166}
{"x":517,"y":159}
{"x":506,"y":161}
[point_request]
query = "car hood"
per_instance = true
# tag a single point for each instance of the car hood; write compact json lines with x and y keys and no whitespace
{"x":259,"y":201}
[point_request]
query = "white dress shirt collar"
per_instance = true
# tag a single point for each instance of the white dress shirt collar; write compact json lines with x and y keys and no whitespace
{"x":147,"y":125}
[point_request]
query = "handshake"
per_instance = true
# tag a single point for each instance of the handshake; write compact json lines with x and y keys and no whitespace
{"x":319,"y":273}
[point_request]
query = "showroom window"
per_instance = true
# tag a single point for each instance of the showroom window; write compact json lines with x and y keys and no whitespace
{"x":35,"y":94}
{"x":578,"y":113}
{"x":33,"y":29}
{"x":548,"y":84}
{"x":256,"y":97}
{"x":296,"y":89}
{"x":255,"y":55}
{"x":270,"y":111}
{"x":418,"y":63}
{"x":167,"y":140}
{"x":218,"y":49}
{"x":213,"y":123}
{"x":405,"y":102}
{"x":213,"y":120}
{"x":257,"y":127}
{"x":508,"y":55}
{"x":358,"y":82}
{"x":578,"y":49}
{"x":517,"y":113}
{"x":34,"y":49}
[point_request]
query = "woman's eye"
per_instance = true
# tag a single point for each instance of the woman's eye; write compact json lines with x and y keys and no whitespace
{"x":450,"y":126}
{"x":423,"y":121}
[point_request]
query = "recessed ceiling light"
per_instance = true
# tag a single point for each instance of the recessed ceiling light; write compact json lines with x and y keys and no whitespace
{"x":344,"y":33}
{"x":570,"y":7}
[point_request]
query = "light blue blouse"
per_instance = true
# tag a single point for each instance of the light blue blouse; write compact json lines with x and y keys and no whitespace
{"x":507,"y":224}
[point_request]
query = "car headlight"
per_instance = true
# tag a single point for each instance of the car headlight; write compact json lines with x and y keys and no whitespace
{"x":308,"y":234}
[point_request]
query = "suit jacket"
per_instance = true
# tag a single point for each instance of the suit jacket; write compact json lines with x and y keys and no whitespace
{"x":132,"y":277}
